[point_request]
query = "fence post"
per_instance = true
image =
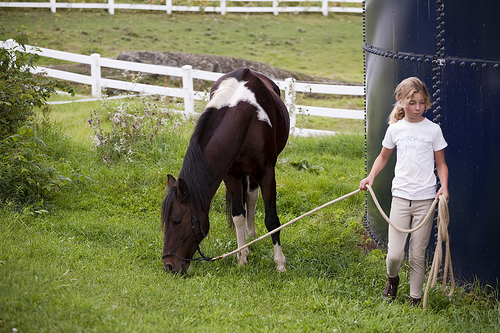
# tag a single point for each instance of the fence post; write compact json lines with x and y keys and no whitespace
{"x":53,"y":6}
{"x":95,"y":73}
{"x":223,"y":7}
{"x":111,"y":7}
{"x":324,"y":7}
{"x":168,"y":3}
{"x":275,"y":7}
{"x":10,"y":45}
{"x":290,"y":102}
{"x":187,"y":84}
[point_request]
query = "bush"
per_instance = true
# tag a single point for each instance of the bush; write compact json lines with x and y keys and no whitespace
{"x":28,"y":174}
{"x":134,"y":126}
{"x":21,"y":91}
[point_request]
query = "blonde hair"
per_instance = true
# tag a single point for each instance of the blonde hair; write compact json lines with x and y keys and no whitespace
{"x":404,"y":92}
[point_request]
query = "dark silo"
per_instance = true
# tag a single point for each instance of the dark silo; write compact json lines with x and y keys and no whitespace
{"x":454,"y":47}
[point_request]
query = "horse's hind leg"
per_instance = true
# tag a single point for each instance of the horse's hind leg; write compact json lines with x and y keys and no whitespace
{"x":251,"y":201}
{"x":233,"y":186}
{"x":268,"y":187}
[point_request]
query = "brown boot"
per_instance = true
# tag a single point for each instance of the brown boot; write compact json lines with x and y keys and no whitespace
{"x":414,"y":302}
{"x":391,"y":288}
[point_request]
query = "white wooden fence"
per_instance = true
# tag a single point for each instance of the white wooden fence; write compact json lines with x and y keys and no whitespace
{"x":310,"y":6}
{"x":187,"y":92}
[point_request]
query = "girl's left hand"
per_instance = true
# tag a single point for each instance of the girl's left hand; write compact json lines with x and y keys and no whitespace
{"x":443,"y":191}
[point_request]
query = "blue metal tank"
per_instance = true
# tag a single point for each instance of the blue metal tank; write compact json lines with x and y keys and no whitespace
{"x":454,"y":47}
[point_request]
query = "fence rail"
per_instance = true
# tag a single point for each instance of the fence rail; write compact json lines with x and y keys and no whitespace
{"x":187,"y":92}
{"x":308,"y":6}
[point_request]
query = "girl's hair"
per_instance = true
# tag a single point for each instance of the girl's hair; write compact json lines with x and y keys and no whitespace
{"x":404,"y":91}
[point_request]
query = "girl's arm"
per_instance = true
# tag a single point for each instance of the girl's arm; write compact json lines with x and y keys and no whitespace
{"x":378,"y":165}
{"x":442,"y":170}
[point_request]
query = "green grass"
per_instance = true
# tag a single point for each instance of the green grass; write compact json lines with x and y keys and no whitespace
{"x":92,"y":263}
{"x":329,"y":47}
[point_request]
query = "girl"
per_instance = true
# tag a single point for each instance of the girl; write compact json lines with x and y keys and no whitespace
{"x":420,"y":144}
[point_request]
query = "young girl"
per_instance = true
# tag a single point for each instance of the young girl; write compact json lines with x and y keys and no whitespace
{"x":420,"y":144}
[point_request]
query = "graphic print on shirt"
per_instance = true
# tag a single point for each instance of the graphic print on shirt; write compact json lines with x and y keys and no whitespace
{"x":413,"y":149}
{"x":409,"y":145}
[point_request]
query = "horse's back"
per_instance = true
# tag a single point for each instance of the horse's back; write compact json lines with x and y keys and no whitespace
{"x":267,"y":95}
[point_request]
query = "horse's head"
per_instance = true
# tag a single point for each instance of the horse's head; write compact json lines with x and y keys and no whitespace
{"x":182,"y":226}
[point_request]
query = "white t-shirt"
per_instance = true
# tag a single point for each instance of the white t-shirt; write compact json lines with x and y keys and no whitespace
{"x":415,"y":145}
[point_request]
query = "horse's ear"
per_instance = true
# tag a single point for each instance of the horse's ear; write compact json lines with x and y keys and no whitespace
{"x":182,"y":191}
{"x":170,"y":181}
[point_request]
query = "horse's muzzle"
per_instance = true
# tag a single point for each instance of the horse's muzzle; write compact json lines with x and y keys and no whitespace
{"x":182,"y":268}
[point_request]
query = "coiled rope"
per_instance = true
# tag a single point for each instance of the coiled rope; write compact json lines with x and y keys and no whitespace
{"x":443,"y":221}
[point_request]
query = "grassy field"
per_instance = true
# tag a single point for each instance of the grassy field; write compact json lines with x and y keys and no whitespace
{"x":329,"y":47}
{"x":89,"y":259}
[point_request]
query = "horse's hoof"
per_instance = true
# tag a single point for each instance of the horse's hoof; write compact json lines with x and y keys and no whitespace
{"x":243,"y":257}
{"x":279,"y":258}
{"x":281,"y":268}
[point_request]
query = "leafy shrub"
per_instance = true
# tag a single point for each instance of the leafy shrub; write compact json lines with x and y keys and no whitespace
{"x":25,"y":175}
{"x":21,"y":91}
{"x":134,"y":125}
{"x":28,"y":174}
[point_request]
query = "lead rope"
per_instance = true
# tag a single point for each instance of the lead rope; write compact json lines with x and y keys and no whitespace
{"x":443,"y":236}
{"x":443,"y":221}
{"x":286,"y":225}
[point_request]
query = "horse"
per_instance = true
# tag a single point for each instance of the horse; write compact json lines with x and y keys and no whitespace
{"x":237,"y":139}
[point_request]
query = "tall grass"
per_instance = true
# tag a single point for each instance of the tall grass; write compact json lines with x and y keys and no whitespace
{"x":92,"y":263}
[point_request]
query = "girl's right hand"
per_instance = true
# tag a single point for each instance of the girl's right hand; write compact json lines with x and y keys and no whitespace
{"x":364,"y":182}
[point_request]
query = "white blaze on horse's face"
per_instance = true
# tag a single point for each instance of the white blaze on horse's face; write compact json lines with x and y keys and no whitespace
{"x":230,"y":92}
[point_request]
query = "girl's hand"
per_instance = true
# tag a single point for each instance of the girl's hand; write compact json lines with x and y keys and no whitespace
{"x":364,"y":182}
{"x":443,"y":191}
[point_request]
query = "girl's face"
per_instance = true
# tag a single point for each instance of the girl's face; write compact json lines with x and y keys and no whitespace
{"x":415,"y":108}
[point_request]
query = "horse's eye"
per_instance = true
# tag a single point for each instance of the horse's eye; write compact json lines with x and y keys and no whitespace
{"x":176,"y":222}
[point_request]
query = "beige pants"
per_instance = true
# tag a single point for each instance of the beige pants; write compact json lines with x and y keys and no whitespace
{"x":408,"y":214}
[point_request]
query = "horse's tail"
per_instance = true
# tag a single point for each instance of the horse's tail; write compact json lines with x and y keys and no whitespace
{"x":229,"y":202}
{"x":229,"y":216}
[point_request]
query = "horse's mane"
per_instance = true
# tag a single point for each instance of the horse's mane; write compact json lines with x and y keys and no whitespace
{"x":196,"y":170}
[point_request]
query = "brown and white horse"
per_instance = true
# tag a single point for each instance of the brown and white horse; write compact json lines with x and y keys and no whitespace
{"x":237,"y":139}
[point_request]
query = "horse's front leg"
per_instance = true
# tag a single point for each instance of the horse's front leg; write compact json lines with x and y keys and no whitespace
{"x":268,"y":188}
{"x":235,"y":189}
